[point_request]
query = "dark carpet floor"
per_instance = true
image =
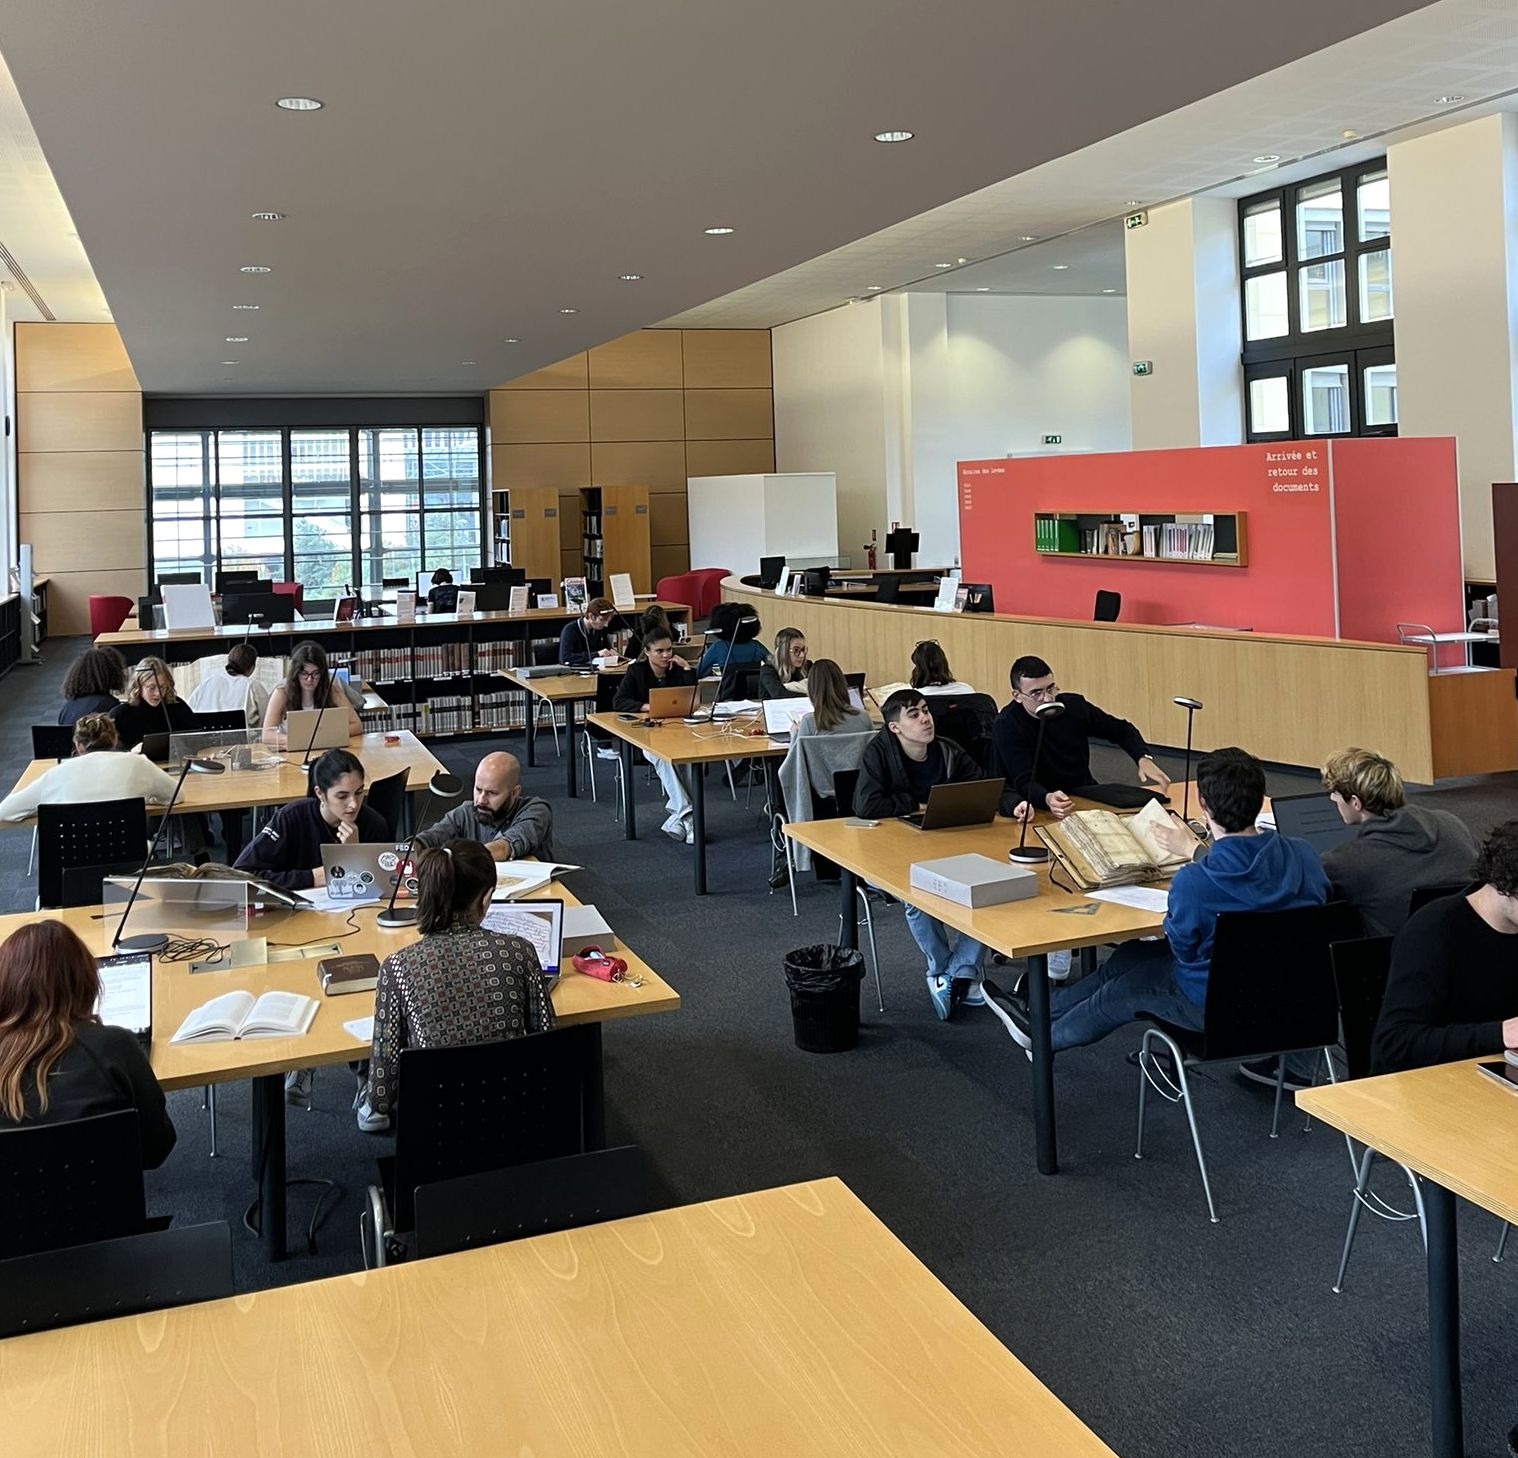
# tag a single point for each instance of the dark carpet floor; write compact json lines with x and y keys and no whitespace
{"x":1170,"y":1336}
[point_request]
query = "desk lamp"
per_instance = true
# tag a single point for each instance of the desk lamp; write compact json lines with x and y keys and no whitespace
{"x":442,"y":786}
{"x":1022,"y":853}
{"x":1190,"y":706}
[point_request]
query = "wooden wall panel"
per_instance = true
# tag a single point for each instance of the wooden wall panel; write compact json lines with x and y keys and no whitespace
{"x":625,"y":534}
{"x":657,"y":464}
{"x":569,"y":374}
{"x":71,"y":541}
{"x":72,"y":358}
{"x":647,"y":359}
{"x":540,"y":465}
{"x":84,"y":421}
{"x":68,"y":596}
{"x":539,"y":417}
{"x":84,"y":481}
{"x":669,"y":561}
{"x":727,"y":359}
{"x":729,"y":414}
{"x":669,"y":518}
{"x":637,"y":415}
{"x":729,"y":457}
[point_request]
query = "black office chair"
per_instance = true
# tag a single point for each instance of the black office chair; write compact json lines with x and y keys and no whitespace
{"x":967,"y":719}
{"x":1108,"y":606}
{"x":121,"y":1277}
{"x":464,"y":1110}
{"x":97,"y":834}
{"x":70,"y":1183}
{"x":888,"y":589}
{"x":1422,"y":895}
{"x":388,"y":797}
{"x":1270,"y":991}
{"x":52,"y":741}
{"x":531,"y":1199}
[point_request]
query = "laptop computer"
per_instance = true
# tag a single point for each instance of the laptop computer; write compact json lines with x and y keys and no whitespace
{"x":360,"y":872}
{"x":539,"y":921}
{"x":1312,"y":818}
{"x":770,"y":569}
{"x":330,"y":733}
{"x":156,"y":748}
{"x":673,"y":703}
{"x":126,"y":994}
{"x":970,"y":802}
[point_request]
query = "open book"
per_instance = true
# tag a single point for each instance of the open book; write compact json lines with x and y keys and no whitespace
{"x":1101,"y":848}
{"x":239,"y":1015}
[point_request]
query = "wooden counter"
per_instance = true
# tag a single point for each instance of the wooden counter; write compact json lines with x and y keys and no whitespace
{"x":1289,"y":700}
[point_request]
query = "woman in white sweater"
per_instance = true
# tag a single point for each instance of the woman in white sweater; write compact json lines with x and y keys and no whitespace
{"x":96,"y":772}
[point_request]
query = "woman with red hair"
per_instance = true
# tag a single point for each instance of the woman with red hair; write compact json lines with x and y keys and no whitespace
{"x":57,"y":1061}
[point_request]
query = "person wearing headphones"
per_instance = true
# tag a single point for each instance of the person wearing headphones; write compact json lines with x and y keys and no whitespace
{"x":586,"y":637}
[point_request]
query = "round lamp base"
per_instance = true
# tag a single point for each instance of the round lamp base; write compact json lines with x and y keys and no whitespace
{"x":396,"y":917}
{"x":146,"y":942}
{"x":1028,"y":855}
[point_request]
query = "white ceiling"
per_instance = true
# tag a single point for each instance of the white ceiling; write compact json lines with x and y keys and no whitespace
{"x":1087,"y":261}
{"x":480,"y":166}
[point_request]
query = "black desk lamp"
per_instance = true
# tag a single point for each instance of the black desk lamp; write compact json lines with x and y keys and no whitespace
{"x":1190,"y":706}
{"x":442,"y":786}
{"x":1023,"y":853}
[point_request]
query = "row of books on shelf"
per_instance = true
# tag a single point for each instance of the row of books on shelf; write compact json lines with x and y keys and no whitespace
{"x":449,"y":715}
{"x":1125,"y":536}
{"x":387,"y":665}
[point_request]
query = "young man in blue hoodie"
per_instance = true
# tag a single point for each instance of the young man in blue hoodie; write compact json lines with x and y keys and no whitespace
{"x":1246,"y":870}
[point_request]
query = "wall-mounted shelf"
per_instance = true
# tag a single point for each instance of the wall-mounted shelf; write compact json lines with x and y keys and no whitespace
{"x":1180,"y":538}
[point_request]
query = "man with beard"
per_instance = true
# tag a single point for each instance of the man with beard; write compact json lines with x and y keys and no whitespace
{"x":509,"y":824}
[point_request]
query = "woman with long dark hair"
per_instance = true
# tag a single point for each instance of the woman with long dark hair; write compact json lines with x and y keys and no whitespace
{"x":309,"y":684}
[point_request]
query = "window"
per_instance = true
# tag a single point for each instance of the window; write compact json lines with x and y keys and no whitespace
{"x":1318,"y":306}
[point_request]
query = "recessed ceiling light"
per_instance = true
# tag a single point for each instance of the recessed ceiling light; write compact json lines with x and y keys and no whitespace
{"x":717,"y":232}
{"x":943,"y":265}
{"x":893,"y":136}
{"x":569,"y":311}
{"x":511,"y":341}
{"x":469,"y":361}
{"x":1059,"y":267}
{"x":247,"y":306}
{"x":872,"y":288}
{"x":985,"y":289}
{"x":1027,"y":237}
{"x":1109,"y":291}
{"x":1134,"y":202}
{"x":254,"y":268}
{"x":1350,"y":135}
{"x":268,"y":217}
{"x":1268,"y":157}
{"x":236,"y":339}
{"x":1449,"y":100}
{"x":962,"y":260}
{"x":629,"y":277}
{"x":298,"y":103}
{"x":229,"y":361}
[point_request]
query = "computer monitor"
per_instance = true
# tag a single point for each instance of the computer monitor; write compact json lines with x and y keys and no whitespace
{"x":816,"y":581}
{"x":491,"y":597}
{"x":901,"y":544}
{"x":511,"y":576}
{"x":770,"y":571}
{"x":176,"y":579}
{"x":240,"y":574}
{"x":538,"y":587}
{"x":260,"y":607}
{"x":424,"y":582}
{"x":978,"y":597}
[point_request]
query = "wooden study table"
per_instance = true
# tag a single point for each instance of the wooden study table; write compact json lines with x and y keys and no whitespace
{"x":177,"y":992}
{"x":882,"y":856}
{"x":1458,"y":1132}
{"x":568,"y":689}
{"x":789,"y":1323}
{"x":680,"y":744}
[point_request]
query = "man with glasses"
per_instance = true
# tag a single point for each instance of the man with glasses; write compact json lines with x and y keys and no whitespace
{"x":586,"y":637}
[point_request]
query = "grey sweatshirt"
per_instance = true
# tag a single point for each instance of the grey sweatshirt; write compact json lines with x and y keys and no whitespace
{"x":529,"y":828}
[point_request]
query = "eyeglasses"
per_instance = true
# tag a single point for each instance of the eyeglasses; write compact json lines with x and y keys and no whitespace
{"x":1044,"y":695}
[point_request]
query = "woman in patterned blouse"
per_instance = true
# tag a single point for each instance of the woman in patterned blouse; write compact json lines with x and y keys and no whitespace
{"x":459,"y":984}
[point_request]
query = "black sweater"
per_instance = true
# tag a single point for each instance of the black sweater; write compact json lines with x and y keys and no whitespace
{"x":289,"y":847}
{"x":1065,"y":761}
{"x":1453,"y":983}
{"x":74,"y":710}
{"x":101,"y":1071}
{"x":579,"y":644}
{"x":632,"y":692}
{"x":134,"y":722}
{"x":885,"y":789}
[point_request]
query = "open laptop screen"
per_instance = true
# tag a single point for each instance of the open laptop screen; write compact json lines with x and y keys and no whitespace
{"x":540,"y":922}
{"x":126,"y":993}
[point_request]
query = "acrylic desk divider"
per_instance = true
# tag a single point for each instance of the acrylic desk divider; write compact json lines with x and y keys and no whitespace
{"x":238,"y":749}
{"x":184,"y":909}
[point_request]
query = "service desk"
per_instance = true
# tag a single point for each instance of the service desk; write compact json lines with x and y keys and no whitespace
{"x":1289,"y":700}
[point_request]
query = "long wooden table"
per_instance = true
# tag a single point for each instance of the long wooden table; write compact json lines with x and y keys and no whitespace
{"x":568,"y":689}
{"x":788,"y":1323}
{"x":1458,"y":1132}
{"x":177,"y":992}
{"x":882,"y":856}
{"x":247,"y":789}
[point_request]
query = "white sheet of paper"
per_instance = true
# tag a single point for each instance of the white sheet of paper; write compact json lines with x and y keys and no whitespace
{"x":548,"y":599}
{"x":187,"y":605}
{"x":947,"y":587}
{"x":781,"y":716}
{"x":621,"y":585}
{"x":321,"y":900}
{"x":510,"y":922}
{"x":465,"y":606}
{"x":518,"y":602}
{"x":1140,"y":898}
{"x":360,"y":1028}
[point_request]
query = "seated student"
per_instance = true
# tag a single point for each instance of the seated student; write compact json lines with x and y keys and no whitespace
{"x":931,"y":673}
{"x":459,"y":984}
{"x":510,"y":825}
{"x":832,"y":712}
{"x":900,"y":765}
{"x":94,"y":679}
{"x":152,"y":706}
{"x":443,"y":596}
{"x":586,"y":637}
{"x":309,"y":684}
{"x":1452,"y":993}
{"x":1246,"y":870}
{"x":1400,"y":846}
{"x":1064,"y":764}
{"x":737,"y":642}
{"x":234,"y":690}
{"x":57,"y":1062}
{"x":94,"y":772}
{"x":788,"y":673}
{"x":653,"y":617}
{"x":659,"y":668}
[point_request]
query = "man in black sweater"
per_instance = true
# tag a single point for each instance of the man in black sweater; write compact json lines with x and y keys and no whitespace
{"x":900,"y":765}
{"x":1453,"y":990}
{"x":1064,"y":764}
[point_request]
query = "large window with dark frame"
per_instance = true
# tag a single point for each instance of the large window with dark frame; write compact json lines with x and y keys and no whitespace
{"x":1316,"y":269}
{"x":322,"y":506}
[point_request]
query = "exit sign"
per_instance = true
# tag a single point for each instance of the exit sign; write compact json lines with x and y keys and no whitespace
{"x":1054,"y":440}
{"x":1143,"y":366}
{"x":1135,"y":220}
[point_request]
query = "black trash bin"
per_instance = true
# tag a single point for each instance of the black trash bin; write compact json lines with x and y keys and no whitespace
{"x":824,"y":984}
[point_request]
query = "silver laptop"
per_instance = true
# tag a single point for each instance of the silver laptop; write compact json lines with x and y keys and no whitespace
{"x":358,"y":872}
{"x":540,"y":922}
{"x":970,"y":802}
{"x":1312,"y":818}
{"x":330,"y":733}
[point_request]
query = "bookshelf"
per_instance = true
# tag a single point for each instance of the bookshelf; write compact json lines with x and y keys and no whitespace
{"x":1177,"y":538}
{"x":615,"y":536}
{"x":524,"y":529}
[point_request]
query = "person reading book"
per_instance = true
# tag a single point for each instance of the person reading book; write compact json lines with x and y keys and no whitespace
{"x":509,"y":823}
{"x":659,"y":668}
{"x":459,"y":984}
{"x":57,"y":1061}
{"x":1246,"y":870}
{"x":586,"y":637}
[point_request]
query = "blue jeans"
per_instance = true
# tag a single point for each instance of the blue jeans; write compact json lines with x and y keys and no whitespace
{"x":933,"y":937}
{"x":1139,"y":977}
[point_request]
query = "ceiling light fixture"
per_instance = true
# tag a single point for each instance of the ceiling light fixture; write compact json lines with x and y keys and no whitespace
{"x":1268,"y":157}
{"x":235,"y":339}
{"x":1134,"y":202}
{"x":716,"y":232}
{"x":569,"y":311}
{"x":629,"y":277}
{"x":268,"y":217}
{"x":246,"y":306}
{"x":984,"y":289}
{"x":872,"y":288}
{"x":511,"y":341}
{"x":1059,"y":267}
{"x":229,"y":362}
{"x":1027,"y":237}
{"x":963,"y":260}
{"x":469,"y":361}
{"x":943,"y":265}
{"x":298,"y":103}
{"x":1449,"y":100}
{"x":893,"y":136}
{"x":254,"y":268}
{"x":1109,"y":291}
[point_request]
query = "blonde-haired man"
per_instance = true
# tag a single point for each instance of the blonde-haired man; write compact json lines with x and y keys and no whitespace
{"x":1400,"y":846}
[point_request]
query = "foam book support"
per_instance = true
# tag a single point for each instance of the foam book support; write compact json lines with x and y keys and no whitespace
{"x":974,"y":880}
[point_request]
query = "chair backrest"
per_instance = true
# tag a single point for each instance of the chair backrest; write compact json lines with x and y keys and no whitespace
{"x":70,"y":1183}
{"x":1360,"y":967}
{"x":95,"y":834}
{"x":81,"y":884}
{"x":52,"y":741}
{"x":686,"y":588}
{"x":888,"y":589}
{"x":546,"y":652}
{"x":1108,"y":606}
{"x":966,"y":719}
{"x":708,"y":588}
{"x":1422,"y":895}
{"x":828,"y":750}
{"x":463,"y":1110}
{"x":531,"y":1199}
{"x":845,"y":782}
{"x":108,"y":613}
{"x":1270,"y":986}
{"x":297,"y":590}
{"x":121,"y":1277}
{"x":388,"y":797}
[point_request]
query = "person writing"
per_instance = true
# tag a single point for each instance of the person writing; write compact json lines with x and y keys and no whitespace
{"x":586,"y":637}
{"x":788,"y":672}
{"x":92,"y":683}
{"x":57,"y":1060}
{"x":309,"y":684}
{"x":659,"y":668}
{"x":152,"y":706}
{"x":510,"y":824}
{"x":234,"y":691}
{"x":831,"y":712}
{"x":459,"y":984}
{"x":93,"y":773}
{"x":1064,"y":764}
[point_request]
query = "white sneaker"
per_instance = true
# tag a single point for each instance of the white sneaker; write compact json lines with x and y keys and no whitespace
{"x":369,"y":1122}
{"x":1059,"y":966}
{"x":689,"y":831}
{"x":975,"y":995}
{"x":298,"y":1088}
